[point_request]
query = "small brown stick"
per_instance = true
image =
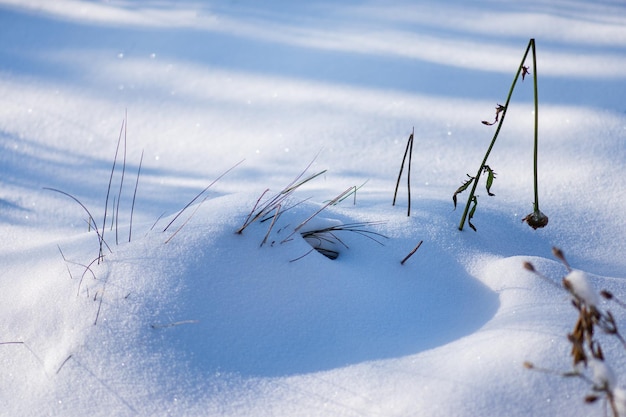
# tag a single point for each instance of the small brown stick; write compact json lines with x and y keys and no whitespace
{"x":300,"y":257}
{"x":412,"y":252}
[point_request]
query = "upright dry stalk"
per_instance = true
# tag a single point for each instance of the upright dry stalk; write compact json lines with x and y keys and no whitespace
{"x":106,"y":201}
{"x":536,"y":219}
{"x":408,"y":151}
{"x":119,"y":194}
{"x":132,"y":207}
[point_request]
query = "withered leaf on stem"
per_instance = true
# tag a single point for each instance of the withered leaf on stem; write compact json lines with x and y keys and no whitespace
{"x":499,"y":109}
{"x":578,"y":353}
{"x":462,"y":188}
{"x":491,"y":175}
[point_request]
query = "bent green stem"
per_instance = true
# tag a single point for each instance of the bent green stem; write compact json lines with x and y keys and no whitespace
{"x":531,"y":44}
{"x":535,"y":151}
{"x":536,"y":219}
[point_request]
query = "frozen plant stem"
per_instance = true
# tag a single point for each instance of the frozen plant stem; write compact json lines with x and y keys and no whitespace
{"x":536,"y":138}
{"x":500,"y":115}
{"x":536,"y":219}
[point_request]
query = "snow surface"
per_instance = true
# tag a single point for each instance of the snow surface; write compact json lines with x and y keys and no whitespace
{"x":581,"y":288}
{"x":214,"y":323}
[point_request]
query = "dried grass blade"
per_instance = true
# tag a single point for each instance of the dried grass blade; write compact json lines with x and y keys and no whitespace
{"x":132,"y":207}
{"x":200,"y":193}
{"x":333,"y":201}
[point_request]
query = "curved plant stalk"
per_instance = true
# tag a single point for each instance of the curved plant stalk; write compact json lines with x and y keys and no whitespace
{"x":535,"y":219}
{"x":91,"y":221}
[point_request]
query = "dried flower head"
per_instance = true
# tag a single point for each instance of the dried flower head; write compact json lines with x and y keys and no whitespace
{"x":536,"y":219}
{"x":528,"y":266}
{"x":606,"y":294}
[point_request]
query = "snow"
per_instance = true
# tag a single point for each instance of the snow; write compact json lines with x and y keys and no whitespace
{"x":198,"y":320}
{"x":581,"y":288}
{"x":603,"y":375}
{"x":620,"y":400}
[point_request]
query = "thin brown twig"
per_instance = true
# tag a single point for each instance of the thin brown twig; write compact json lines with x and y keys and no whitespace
{"x":406,"y":258}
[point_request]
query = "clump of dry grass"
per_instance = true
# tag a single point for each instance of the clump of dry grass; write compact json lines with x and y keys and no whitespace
{"x":263,"y":209}
{"x":326,"y":241}
{"x":115,"y":206}
{"x":110,"y":214}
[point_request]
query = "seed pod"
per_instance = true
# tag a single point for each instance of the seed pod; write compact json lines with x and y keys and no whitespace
{"x":536,"y":219}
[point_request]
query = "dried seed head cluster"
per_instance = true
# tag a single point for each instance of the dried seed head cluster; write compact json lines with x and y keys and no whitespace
{"x":586,"y":350}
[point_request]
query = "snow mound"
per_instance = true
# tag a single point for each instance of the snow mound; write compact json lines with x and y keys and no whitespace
{"x":225,"y":302}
